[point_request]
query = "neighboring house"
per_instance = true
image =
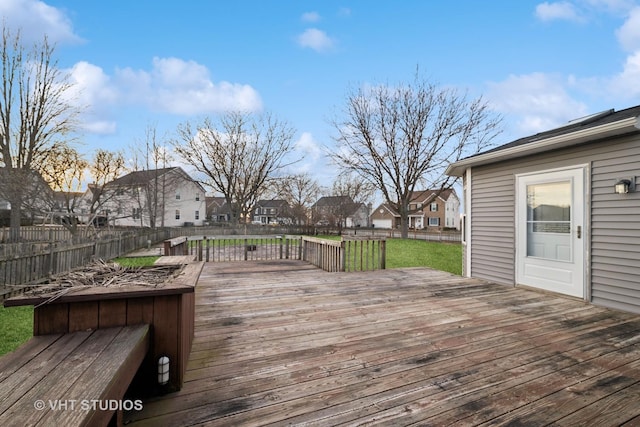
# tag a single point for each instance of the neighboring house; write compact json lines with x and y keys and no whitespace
{"x":217,"y":209}
{"x":559,"y":210}
{"x":38,"y":197}
{"x":429,"y":209}
{"x":165,"y":197}
{"x":67,"y":204}
{"x":272,"y":212}
{"x":340,"y":211}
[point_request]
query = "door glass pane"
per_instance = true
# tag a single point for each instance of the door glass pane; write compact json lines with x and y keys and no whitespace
{"x":549,"y":220}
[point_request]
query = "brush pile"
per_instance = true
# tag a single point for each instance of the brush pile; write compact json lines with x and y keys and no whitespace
{"x":101,"y":273}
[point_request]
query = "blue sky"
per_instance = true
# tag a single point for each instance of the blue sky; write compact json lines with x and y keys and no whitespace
{"x":160,"y":63}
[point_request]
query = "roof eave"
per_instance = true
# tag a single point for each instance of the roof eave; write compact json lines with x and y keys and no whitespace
{"x":566,"y":140}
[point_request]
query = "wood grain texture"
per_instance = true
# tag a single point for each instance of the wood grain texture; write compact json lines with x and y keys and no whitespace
{"x":279,"y":343}
{"x":85,"y":365}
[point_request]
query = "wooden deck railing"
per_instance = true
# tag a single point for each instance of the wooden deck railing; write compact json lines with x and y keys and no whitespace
{"x":326,"y":254}
{"x":364,"y":253}
{"x":349,"y":254}
{"x":244,"y":248}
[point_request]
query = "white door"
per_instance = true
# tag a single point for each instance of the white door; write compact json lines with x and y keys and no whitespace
{"x":550,"y":229}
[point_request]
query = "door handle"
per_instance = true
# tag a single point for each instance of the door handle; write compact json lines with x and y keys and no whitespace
{"x":579,"y":232}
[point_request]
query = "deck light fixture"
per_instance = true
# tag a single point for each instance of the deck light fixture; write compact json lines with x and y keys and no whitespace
{"x":625,"y":185}
{"x":163,"y":370}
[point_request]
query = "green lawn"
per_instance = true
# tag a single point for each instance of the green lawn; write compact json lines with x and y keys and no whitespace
{"x":142,"y":261}
{"x":16,"y":327}
{"x":419,"y":253}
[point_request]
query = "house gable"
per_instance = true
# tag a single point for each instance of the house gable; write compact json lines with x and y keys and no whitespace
{"x":606,"y":148}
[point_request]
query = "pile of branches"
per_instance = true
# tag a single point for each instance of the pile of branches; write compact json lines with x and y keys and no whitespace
{"x":101,"y":273}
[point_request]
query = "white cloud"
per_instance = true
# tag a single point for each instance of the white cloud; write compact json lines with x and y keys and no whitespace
{"x":629,"y":33}
{"x":310,"y":17}
{"x":34,"y":19}
{"x":173,"y":86}
{"x":95,"y":94}
{"x":184,"y":87}
{"x":626,"y":84}
{"x":560,"y":10}
{"x":308,"y":146}
{"x":315,"y":39}
{"x":539,"y":100}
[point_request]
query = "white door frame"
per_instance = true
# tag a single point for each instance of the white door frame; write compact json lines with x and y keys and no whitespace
{"x":566,"y":277}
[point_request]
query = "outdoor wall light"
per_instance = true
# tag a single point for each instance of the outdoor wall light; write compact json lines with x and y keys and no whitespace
{"x":163,"y":370}
{"x":625,"y":185}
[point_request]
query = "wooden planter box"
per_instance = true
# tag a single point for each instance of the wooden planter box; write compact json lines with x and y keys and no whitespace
{"x":169,"y":310}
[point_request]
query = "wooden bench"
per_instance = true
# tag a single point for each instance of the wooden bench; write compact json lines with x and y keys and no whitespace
{"x":64,"y":379}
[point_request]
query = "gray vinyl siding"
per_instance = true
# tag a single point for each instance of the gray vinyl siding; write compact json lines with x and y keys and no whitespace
{"x":612,"y":260}
{"x":615,"y":235}
{"x":492,"y":225}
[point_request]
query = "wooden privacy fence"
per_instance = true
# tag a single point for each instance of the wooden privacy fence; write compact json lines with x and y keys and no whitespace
{"x":349,"y":254}
{"x":53,"y":259}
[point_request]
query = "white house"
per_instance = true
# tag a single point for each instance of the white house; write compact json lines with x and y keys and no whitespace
{"x":166,"y":197}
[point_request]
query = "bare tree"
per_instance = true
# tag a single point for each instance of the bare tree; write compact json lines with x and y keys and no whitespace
{"x":152,"y":155}
{"x":35,"y":114}
{"x":398,"y":137}
{"x":64,"y":169}
{"x":356,"y":193}
{"x":106,"y":166}
{"x":238,"y":154}
{"x":359,"y":190}
{"x":300,"y":191}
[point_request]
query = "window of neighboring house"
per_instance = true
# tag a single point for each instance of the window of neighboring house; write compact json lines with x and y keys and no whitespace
{"x":419,"y":206}
{"x":177,"y":213}
{"x":434,"y":207}
{"x":434,"y":221}
{"x":197,"y":214}
{"x":136,"y":213}
{"x":197,"y":197}
{"x":177,"y":196}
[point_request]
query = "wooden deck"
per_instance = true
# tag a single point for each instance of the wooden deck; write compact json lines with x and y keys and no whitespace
{"x":284,"y":343}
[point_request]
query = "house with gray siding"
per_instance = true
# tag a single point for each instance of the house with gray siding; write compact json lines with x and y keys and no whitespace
{"x":559,"y":210}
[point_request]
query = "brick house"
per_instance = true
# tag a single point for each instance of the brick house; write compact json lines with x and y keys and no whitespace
{"x":429,"y":209}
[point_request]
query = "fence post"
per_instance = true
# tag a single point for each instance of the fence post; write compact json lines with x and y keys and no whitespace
{"x":300,"y":245}
{"x":50,"y":260}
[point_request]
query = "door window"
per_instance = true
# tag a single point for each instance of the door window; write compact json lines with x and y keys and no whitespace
{"x":549,"y":220}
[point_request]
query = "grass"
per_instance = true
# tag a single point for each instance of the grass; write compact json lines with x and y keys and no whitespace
{"x":16,"y":327}
{"x":419,"y":253}
{"x":16,"y":323}
{"x":142,"y":261}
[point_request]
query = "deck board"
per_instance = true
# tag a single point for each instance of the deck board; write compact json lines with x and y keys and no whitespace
{"x":283,"y":343}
